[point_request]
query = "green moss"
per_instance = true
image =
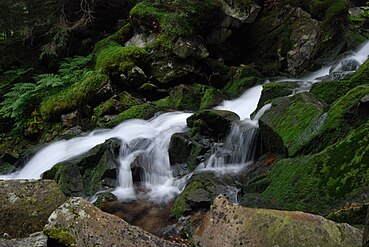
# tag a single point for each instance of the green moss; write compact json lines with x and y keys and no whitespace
{"x":142,"y":111}
{"x":330,"y":91}
{"x":330,"y":9}
{"x":361,"y":76}
{"x":61,"y":237}
{"x":6,"y":168}
{"x":317,"y":182}
{"x":295,"y":119}
{"x":212,"y":97}
{"x":119,"y":38}
{"x":171,"y":18}
{"x":118,"y":59}
{"x":78,"y":93}
{"x":238,"y":86}
{"x":275,"y":90}
{"x":179,"y":206}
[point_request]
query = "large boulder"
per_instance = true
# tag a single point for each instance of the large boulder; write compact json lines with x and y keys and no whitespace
{"x":295,"y":119}
{"x":230,"y":225}
{"x":212,"y":123}
{"x":96,"y":170}
{"x":79,"y":223}
{"x":27,"y":204}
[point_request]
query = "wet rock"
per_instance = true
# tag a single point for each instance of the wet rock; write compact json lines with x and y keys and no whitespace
{"x":185,"y":47}
{"x":168,"y":69}
{"x":229,"y":225}
{"x":103,"y":198}
{"x":141,"y":39}
{"x":71,"y":119}
{"x":26,"y":204}
{"x":212,"y":123}
{"x":245,"y":13}
{"x":93,"y":171}
{"x":79,"y":223}
{"x":366,"y":231}
{"x":37,"y":239}
{"x":304,"y":39}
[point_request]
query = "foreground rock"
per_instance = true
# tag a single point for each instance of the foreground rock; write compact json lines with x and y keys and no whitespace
{"x":37,"y":239}
{"x":25,"y":205}
{"x":366,"y":232}
{"x":79,"y":223}
{"x":229,"y":225}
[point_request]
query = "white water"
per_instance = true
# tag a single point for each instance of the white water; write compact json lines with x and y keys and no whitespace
{"x":360,"y":56}
{"x":245,"y":105}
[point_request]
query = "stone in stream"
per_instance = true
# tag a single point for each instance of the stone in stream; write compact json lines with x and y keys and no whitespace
{"x":25,"y":205}
{"x":230,"y":225}
{"x":78,"y":223}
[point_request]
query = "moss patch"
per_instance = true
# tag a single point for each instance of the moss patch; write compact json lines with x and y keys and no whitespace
{"x":70,"y":98}
{"x":61,"y":237}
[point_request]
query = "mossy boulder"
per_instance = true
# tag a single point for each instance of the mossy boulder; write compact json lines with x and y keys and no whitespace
{"x":266,"y":227}
{"x":295,"y":119}
{"x":348,"y":112}
{"x":27,"y":204}
{"x":236,"y":87}
{"x":211,"y":123}
{"x":192,"y":97}
{"x":275,"y":90}
{"x":82,"y":92}
{"x":321,"y":182}
{"x":191,"y":150}
{"x":94,"y":171}
{"x":141,"y":111}
{"x":199,"y":194}
{"x":330,"y":91}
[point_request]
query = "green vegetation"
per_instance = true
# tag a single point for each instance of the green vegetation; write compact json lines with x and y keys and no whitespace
{"x":318,"y":182}
{"x":201,"y":182}
{"x":331,"y":10}
{"x":70,"y":98}
{"x":171,"y":18}
{"x":25,"y":97}
{"x":330,"y":91}
{"x":116,"y":59}
{"x":60,"y":237}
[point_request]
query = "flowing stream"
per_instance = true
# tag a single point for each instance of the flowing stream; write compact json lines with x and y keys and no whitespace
{"x":149,"y":141}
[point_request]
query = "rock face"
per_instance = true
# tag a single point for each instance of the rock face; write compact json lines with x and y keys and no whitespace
{"x":79,"y":223}
{"x":26,"y":205}
{"x":93,"y":171}
{"x":229,"y":225}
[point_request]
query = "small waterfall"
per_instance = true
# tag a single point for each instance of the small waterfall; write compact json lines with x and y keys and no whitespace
{"x":146,"y":141}
{"x":346,"y":65}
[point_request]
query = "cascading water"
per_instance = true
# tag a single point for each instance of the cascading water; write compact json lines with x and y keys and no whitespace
{"x":148,"y":141}
{"x":346,"y":65}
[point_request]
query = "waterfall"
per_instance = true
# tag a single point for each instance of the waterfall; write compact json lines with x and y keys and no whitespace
{"x":346,"y":65}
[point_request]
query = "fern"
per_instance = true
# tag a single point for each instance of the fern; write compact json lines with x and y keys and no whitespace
{"x":24,"y":97}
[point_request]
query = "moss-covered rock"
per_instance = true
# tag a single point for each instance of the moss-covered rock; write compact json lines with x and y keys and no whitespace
{"x":295,"y":119}
{"x":318,"y":183}
{"x":198,"y":195}
{"x":90,"y":173}
{"x":79,"y":93}
{"x":211,"y":123}
{"x":275,"y":90}
{"x":27,"y":204}
{"x":346,"y":113}
{"x":330,"y":91}
{"x":236,"y":87}
{"x":141,"y":111}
